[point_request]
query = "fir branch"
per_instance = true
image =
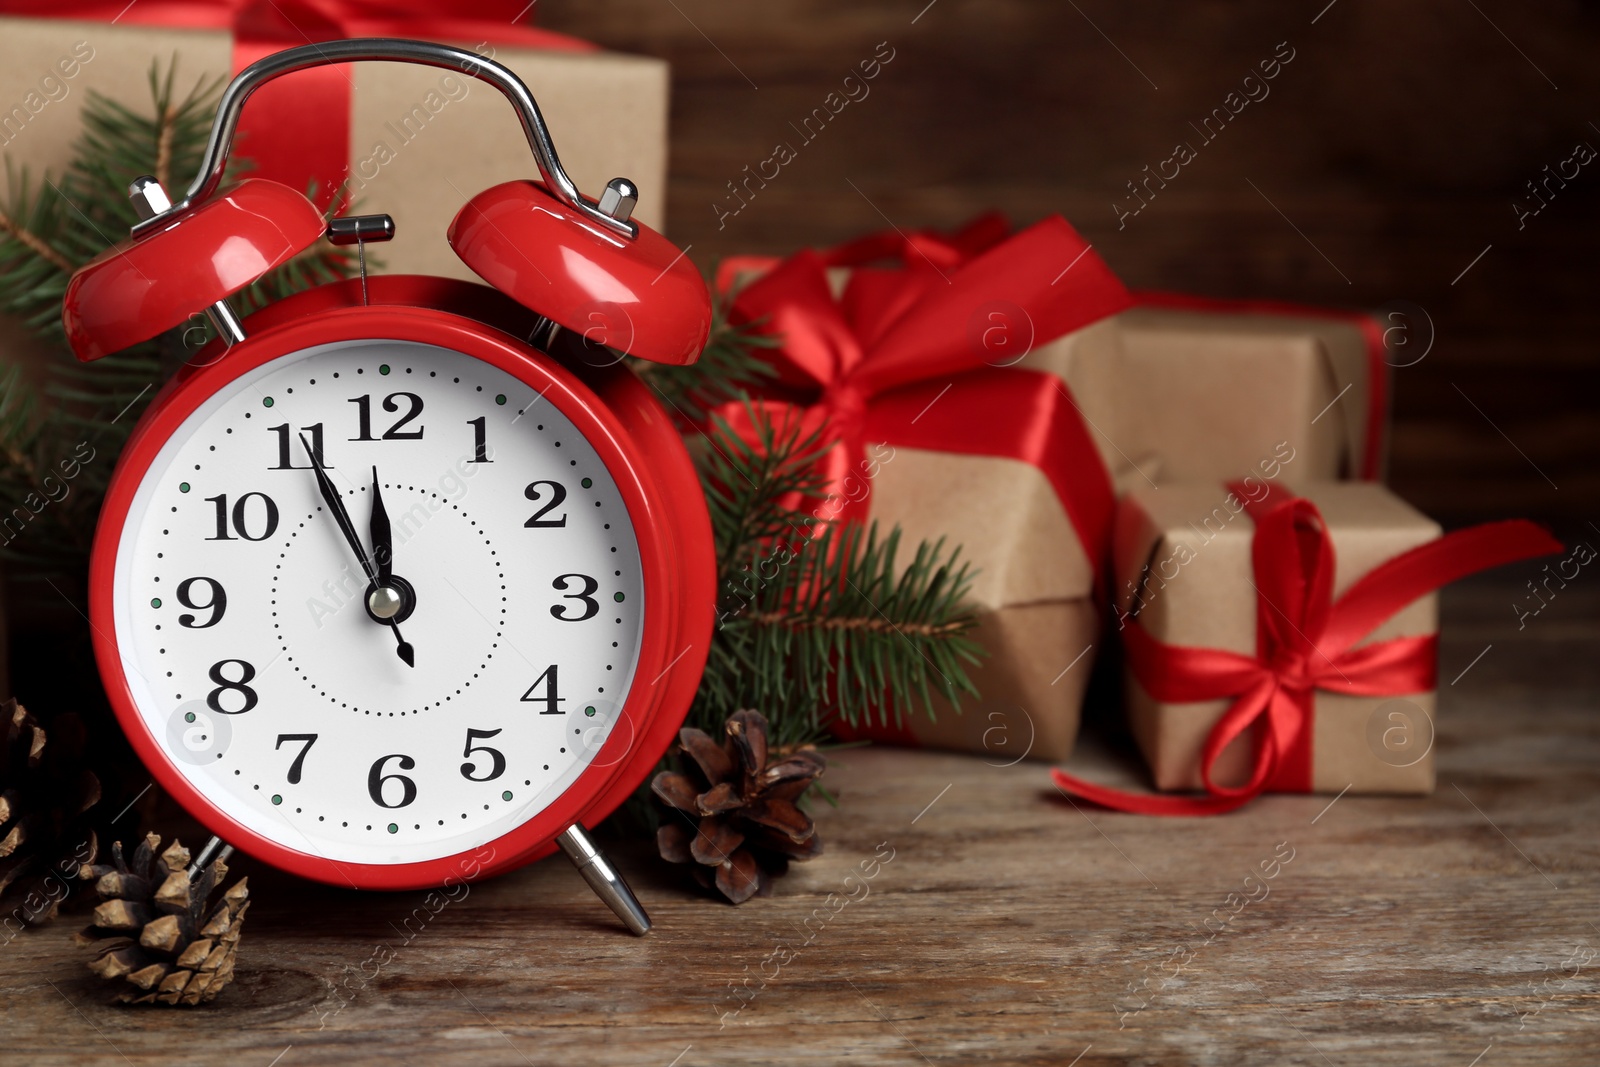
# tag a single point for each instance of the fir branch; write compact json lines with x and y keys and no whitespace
{"x":35,"y":244}
{"x":803,"y":621}
{"x":80,"y":410}
{"x":818,"y":620}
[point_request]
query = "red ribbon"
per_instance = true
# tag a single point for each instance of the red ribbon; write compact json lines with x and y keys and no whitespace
{"x":297,"y":129}
{"x":920,"y":250}
{"x":905,"y":358}
{"x":1305,"y":641}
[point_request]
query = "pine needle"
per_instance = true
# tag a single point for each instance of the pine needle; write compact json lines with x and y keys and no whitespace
{"x":48,"y":427}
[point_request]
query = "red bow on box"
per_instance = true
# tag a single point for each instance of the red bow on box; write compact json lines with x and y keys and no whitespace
{"x":1305,"y":641}
{"x":275,"y":131}
{"x":913,"y":358}
{"x":928,"y":251}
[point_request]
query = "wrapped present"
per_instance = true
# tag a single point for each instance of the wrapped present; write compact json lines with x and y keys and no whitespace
{"x":415,"y":142}
{"x":1182,"y":388}
{"x":1282,"y":643}
{"x":928,"y":433}
{"x":1209,"y":387}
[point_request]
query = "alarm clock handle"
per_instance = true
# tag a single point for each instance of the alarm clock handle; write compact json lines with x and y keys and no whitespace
{"x":603,"y":878}
{"x":610,"y":213}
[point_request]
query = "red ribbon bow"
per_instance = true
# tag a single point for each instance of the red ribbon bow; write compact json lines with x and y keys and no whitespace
{"x":913,"y":358}
{"x":1305,"y":641}
{"x":928,"y":251}
{"x":274,"y":130}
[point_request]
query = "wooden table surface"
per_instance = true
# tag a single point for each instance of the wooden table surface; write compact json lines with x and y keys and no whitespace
{"x":1008,"y":926}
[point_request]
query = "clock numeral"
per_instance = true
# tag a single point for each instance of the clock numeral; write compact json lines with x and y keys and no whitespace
{"x":391,"y":403}
{"x":241,"y":517}
{"x":558,"y":493}
{"x":299,"y":761}
{"x":550,"y":700}
{"x":497,"y":759}
{"x":286,"y":452}
{"x":224,"y":685}
{"x":591,"y":606}
{"x":216,"y":603}
{"x":376,"y":779}
{"x":480,"y":439}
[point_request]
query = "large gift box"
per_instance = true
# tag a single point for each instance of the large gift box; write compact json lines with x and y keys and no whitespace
{"x":1281,"y":642}
{"x":1178,"y":388}
{"x":414,"y":142}
{"x":934,"y":434}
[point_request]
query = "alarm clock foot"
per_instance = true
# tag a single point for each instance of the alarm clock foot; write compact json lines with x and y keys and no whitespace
{"x":603,"y":878}
{"x":215,"y":849}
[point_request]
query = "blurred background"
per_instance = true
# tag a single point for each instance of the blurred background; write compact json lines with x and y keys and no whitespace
{"x":1387,"y":167}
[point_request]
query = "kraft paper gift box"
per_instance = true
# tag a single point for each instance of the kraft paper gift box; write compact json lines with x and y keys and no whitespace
{"x":1032,"y":596}
{"x":1182,"y":388}
{"x":959,"y":449}
{"x":421,"y":140}
{"x":1183,"y":566}
{"x":1192,"y":393}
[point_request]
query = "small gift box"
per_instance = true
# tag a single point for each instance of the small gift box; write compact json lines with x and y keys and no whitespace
{"x":411,"y":141}
{"x":933,"y":433}
{"x":1194,"y":390}
{"x":1283,"y":643}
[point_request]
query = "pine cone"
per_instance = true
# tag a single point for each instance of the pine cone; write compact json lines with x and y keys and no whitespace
{"x":45,"y":795}
{"x":151,"y":928}
{"x":735,"y":817}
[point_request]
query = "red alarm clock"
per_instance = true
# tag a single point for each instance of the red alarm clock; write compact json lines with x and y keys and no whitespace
{"x":402,"y":580}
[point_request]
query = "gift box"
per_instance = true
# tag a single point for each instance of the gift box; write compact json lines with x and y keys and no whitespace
{"x":932,"y":434}
{"x":1194,"y":390}
{"x":414,"y":142}
{"x":1284,"y":643}
{"x":1181,"y":388}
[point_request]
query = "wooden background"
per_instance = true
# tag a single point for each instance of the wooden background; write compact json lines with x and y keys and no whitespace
{"x":1391,"y":150}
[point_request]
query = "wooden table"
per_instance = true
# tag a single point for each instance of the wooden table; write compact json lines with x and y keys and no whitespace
{"x":1007,"y":927}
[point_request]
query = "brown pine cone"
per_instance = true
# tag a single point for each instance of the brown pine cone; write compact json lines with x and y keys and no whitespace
{"x":152,"y":928}
{"x":734,"y":815}
{"x":45,"y":795}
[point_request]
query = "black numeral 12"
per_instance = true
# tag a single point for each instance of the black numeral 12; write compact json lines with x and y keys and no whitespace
{"x":391,"y":403}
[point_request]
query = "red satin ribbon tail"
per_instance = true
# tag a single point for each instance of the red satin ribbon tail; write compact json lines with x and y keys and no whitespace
{"x":1391,"y":586}
{"x":1147,"y":803}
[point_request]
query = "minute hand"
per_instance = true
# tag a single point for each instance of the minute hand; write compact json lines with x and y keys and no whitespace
{"x":335,"y":502}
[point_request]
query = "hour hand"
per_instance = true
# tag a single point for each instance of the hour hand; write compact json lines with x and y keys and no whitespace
{"x":382,"y":536}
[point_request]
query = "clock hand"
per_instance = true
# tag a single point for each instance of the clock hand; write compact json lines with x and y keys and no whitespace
{"x":382,"y":536}
{"x":335,"y":502}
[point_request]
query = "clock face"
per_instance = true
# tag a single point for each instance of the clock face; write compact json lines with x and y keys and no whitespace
{"x":242,"y":610}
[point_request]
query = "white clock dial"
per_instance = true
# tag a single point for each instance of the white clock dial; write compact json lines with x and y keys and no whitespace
{"x":242,"y":621}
